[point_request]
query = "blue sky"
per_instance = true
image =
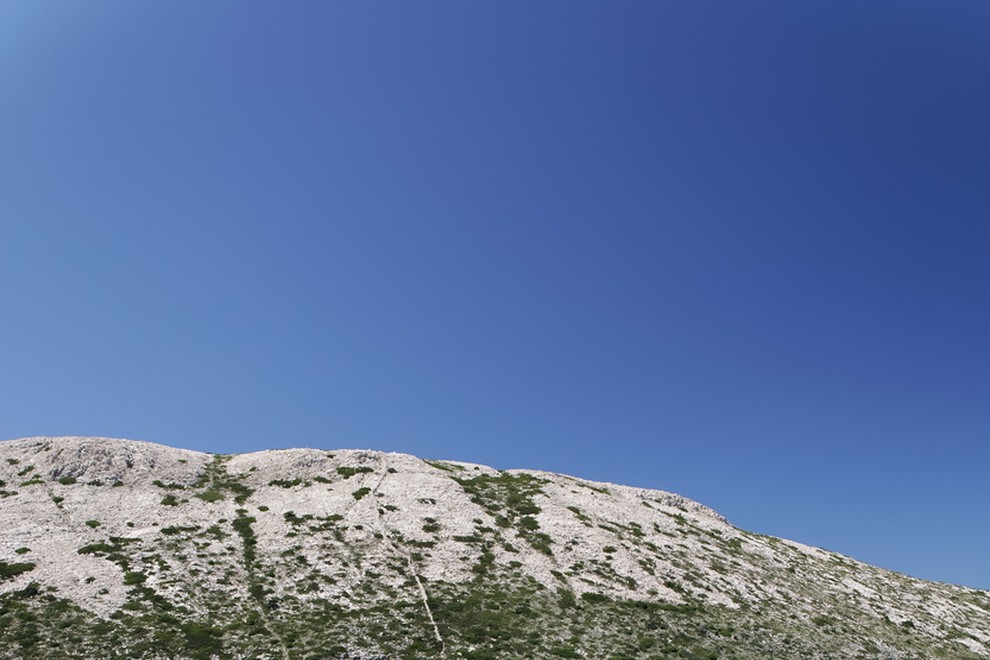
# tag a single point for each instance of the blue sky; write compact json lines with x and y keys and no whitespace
{"x":737,"y":251}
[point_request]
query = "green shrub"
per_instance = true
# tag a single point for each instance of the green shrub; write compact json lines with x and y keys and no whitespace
{"x":93,"y":523}
{"x":216,"y":532}
{"x":202,"y":641}
{"x":9,"y":571}
{"x":592,"y":597}
{"x":285,"y":483}
{"x":529,"y":523}
{"x":160,"y":484}
{"x":175,"y":529}
{"x":348,"y":472}
{"x":210,"y":495}
{"x":134,"y":577}
{"x":97,"y":548}
{"x":67,"y":480}
{"x":361,"y":492}
{"x":446,"y":467}
{"x":471,"y":538}
{"x":540,"y":541}
{"x":508,"y":498}
{"x":170,"y":500}
{"x":242,"y":525}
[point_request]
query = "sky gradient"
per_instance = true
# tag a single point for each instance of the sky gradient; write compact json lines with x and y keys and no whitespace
{"x":738,"y":251}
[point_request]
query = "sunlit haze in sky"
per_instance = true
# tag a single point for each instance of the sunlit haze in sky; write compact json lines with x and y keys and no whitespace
{"x":738,"y":251}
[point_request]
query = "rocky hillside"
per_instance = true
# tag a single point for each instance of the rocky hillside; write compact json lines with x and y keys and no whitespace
{"x":122,"y":549}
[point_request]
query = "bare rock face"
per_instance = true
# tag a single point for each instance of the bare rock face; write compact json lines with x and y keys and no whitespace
{"x":139,"y":550}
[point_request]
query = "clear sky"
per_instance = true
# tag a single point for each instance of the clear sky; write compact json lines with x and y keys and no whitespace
{"x":739,"y":251}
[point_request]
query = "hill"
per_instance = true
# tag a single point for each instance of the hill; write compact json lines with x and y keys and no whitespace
{"x":124,"y":549}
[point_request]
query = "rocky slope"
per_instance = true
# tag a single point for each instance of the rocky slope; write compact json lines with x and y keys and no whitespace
{"x":115,"y":548}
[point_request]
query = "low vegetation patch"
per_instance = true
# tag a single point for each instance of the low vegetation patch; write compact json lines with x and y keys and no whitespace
{"x":509,"y":499}
{"x":446,"y":467}
{"x":211,"y":495}
{"x":348,"y":472}
{"x":134,"y":577}
{"x":285,"y":483}
{"x":10,"y":571}
{"x":216,"y":481}
{"x":172,"y":486}
{"x":177,"y":529}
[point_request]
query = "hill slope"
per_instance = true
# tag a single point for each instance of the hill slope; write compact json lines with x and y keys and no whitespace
{"x":115,"y":548}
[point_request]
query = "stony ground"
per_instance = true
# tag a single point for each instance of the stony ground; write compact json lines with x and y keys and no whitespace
{"x":344,"y":553}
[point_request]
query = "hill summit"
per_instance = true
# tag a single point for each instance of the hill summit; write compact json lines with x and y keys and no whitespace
{"x":124,"y":549}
